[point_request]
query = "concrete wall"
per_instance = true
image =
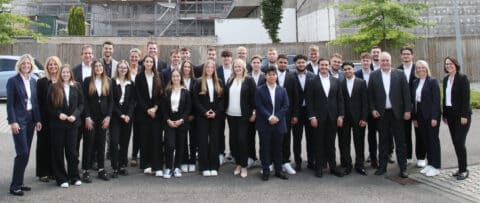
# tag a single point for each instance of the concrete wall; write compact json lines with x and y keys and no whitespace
{"x":317,"y":26}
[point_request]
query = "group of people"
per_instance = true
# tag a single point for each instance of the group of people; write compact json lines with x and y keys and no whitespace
{"x":179,"y":111}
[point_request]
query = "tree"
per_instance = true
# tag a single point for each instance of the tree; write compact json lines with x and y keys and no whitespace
{"x":76,"y":21}
{"x":272,"y":17}
{"x":380,"y":22}
{"x":14,"y":25}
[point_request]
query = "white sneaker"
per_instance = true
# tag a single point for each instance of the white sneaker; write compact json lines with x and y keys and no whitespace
{"x":184,"y":168}
{"x":159,"y":173}
{"x":191,"y":168}
{"x":432,"y":172}
{"x":167,"y":173}
{"x":147,"y":170}
{"x":271,"y":168}
{"x":426,"y":169}
{"x":177,"y":173}
{"x":206,"y":173}
{"x":288,"y":169}
{"x":78,"y":183}
{"x":64,"y":185}
{"x":250,"y":163}
{"x":421,"y":163}
{"x":221,"y":159}
{"x":213,"y":173}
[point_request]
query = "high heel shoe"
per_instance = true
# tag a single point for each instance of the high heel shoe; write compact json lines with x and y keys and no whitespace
{"x":243,"y":173}
{"x":237,"y":171}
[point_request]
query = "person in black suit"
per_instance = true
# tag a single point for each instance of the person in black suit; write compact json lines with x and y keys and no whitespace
{"x":44,"y":163}
{"x":242,"y":54}
{"x":457,"y":112}
{"x":148,"y":86}
{"x":124,"y":95}
{"x":325,"y":110}
{"x":65,"y":103}
{"x":272,"y":57}
{"x":375,"y":53}
{"x":426,"y":115}
{"x":208,"y":102}
{"x":108,"y":61}
{"x":301,"y":76}
{"x":98,"y":111}
{"x":191,"y":142}
{"x":239,"y":105}
{"x":211,"y":55}
{"x":335,"y":67}
{"x":389,"y":103}
{"x":176,"y":107}
{"x":152,"y":51}
{"x":271,"y":103}
{"x":23,"y":117}
{"x":408,"y":68}
{"x":135,"y":68}
{"x":175,"y":65}
{"x":224,"y":72}
{"x":356,"y":113}
{"x":313,"y":54}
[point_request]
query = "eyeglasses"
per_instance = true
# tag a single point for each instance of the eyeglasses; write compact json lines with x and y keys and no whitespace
{"x":123,"y":67}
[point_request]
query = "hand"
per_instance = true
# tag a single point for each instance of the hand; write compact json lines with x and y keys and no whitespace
{"x":126,"y":119}
{"x":375,"y":114}
{"x":294,"y":120}
{"x":106,"y":122}
{"x":211,"y":115}
{"x":362,"y":123}
{"x":340,"y":121}
{"x":463,"y":121}
{"x":71,"y":119}
{"x":434,"y":123}
{"x":38,"y":126}
{"x":252,"y":118}
{"x":274,"y":120}
{"x":190,"y":118}
{"x":314,"y":122}
{"x":406,"y":116}
{"x":415,"y":123}
{"x":178,"y":123}
{"x":15,"y":128}
{"x":445,"y":120}
{"x":171,"y":124}
{"x":89,"y":124}
{"x":62,"y":116}
{"x":152,"y":111}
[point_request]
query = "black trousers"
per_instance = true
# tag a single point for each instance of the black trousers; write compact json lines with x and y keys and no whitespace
{"x":297,"y":131}
{"x":238,"y":128}
{"x":208,"y":140}
{"x":136,"y":141}
{"x":324,"y":142}
{"x":94,"y":142}
{"x":174,"y":145}
{"x":64,"y":145}
{"x":372,"y":138}
{"x":151,"y":148}
{"x":420,"y":151}
{"x":271,"y":150}
{"x":221,"y":133}
{"x":430,"y":141}
{"x":458,"y":132}
{"x":287,"y":143}
{"x":389,"y":126}
{"x":190,"y":148}
{"x":252,"y":145}
{"x":23,"y":142}
{"x":44,"y":152}
{"x":344,"y":142}
{"x":119,"y":140}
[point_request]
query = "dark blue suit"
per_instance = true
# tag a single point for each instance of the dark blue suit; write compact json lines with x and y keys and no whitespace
{"x":17,"y":113}
{"x":222,"y":117}
{"x":271,"y":136}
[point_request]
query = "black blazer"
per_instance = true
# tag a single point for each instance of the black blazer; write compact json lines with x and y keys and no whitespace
{"x":290,"y":84}
{"x":43,"y":84}
{"x":247,"y":96}
{"x":221,"y":75}
{"x":97,"y":107}
{"x":144,"y":102}
{"x":412,"y":75}
{"x":129,"y":99}
{"x":356,"y":105}
{"x":430,"y":99}
{"x":198,"y":70}
{"x":261,"y":78}
{"x":301,"y":93}
{"x":74,"y":108}
{"x":190,"y":89}
{"x":78,"y":74}
{"x":460,"y":95}
{"x":318,"y":105}
{"x":201,"y":102}
{"x":184,"y":106}
{"x":399,"y":93}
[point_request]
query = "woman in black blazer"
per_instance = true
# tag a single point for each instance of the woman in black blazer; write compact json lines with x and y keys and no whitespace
{"x":426,"y":115}
{"x":208,"y":102}
{"x":44,"y":155}
{"x":134,"y":69}
{"x":122,"y":114}
{"x":240,"y":104}
{"x":191,"y":143}
{"x":457,"y":111}
{"x":176,"y":108}
{"x":149,"y":90}
{"x":65,"y":103}
{"x":98,"y":111}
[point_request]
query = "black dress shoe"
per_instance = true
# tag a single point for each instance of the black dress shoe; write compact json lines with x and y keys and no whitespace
{"x":456,"y":173}
{"x":319,"y":173}
{"x":347,"y":171}
{"x":462,"y":176}
{"x":86,"y":177}
{"x":390,"y":159}
{"x":361,"y":171}
{"x":298,"y":167}
{"x":123,"y":172}
{"x":114,"y":174}
{"x":265,"y":176}
{"x":281,"y":175}
{"x":403,"y":174}
{"x":368,"y":159}
{"x":44,"y":179}
{"x":310,"y":166}
{"x":374,"y":164}
{"x":380,"y":172}
{"x":17,"y":192}
{"x":336,"y":172}
{"x":25,"y":188}
{"x":103,"y":175}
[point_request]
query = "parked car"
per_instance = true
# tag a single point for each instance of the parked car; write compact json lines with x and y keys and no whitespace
{"x":7,"y":70}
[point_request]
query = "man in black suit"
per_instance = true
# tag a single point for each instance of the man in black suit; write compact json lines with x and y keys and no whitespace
{"x":356,"y":113}
{"x":109,"y":63}
{"x":211,"y":55}
{"x":175,"y":65}
{"x":375,"y":53}
{"x":242,"y":54}
{"x":408,"y":68}
{"x":335,"y":67}
{"x":313,"y":54}
{"x":325,"y":110}
{"x":152,"y":50}
{"x":185,"y":54}
{"x":301,"y":76}
{"x":224,"y":72}
{"x":272,"y":57}
{"x":389,"y":102}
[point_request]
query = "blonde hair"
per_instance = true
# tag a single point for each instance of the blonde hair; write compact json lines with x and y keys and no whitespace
{"x":424,"y":64}
{"x":105,"y":81}
{"x":22,"y":60}
{"x":244,"y":67}
{"x":216,"y":82}
{"x":57,"y":61}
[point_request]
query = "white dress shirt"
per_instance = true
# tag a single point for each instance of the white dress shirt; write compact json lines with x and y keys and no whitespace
{"x":86,"y":71}
{"x":149,"y":84}
{"x":98,"y":85}
{"x":256,"y":76}
{"x":302,"y":78}
{"x":66,"y":89}
{"x":234,"y":94}
{"x":366,"y":75}
{"x":407,"y":71}
{"x":418,"y":91}
{"x":281,"y":77}
{"x":227,"y":72}
{"x":448,"y":91}
{"x":271,"y":90}
{"x":210,"y":88}
{"x":187,"y":81}
{"x":175,"y":99}
{"x":314,"y":67}
{"x":350,"y":85}
{"x":325,"y":84}
{"x":26,"y":82}
{"x":386,"y":76}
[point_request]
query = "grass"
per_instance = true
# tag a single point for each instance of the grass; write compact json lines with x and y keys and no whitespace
{"x":475,"y":99}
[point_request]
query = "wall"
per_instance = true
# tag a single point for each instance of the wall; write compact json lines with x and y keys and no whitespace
{"x":317,"y":26}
